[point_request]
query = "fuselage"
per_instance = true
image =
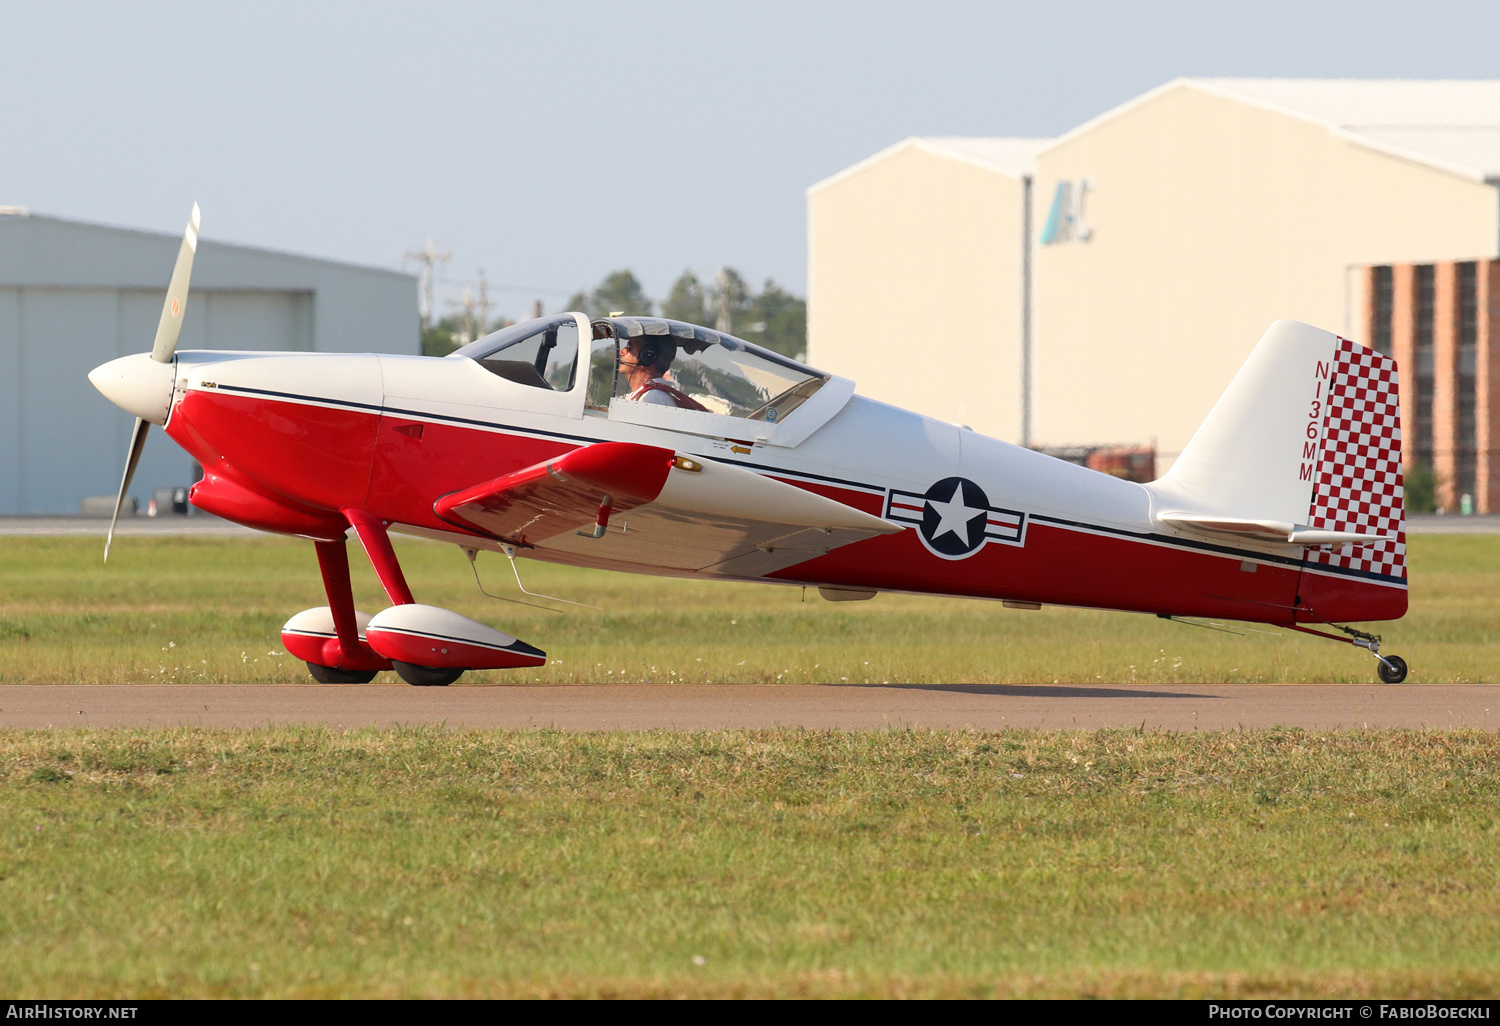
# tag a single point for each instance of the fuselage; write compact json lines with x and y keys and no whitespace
{"x":289,"y":441}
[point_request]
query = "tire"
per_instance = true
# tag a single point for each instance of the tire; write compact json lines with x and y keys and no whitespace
{"x":1393,"y":674}
{"x":330,"y":675}
{"x":427,"y":676}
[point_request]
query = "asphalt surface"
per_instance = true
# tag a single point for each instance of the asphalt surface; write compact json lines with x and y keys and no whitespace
{"x":1440,"y":523}
{"x":136,"y":526}
{"x":722,"y":706}
{"x":204,"y":524}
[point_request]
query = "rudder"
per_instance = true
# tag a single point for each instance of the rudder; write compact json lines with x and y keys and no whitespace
{"x":1358,"y":486}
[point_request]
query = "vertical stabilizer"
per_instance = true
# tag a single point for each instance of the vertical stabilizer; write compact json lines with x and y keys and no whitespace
{"x":1256,"y":453}
{"x":1303,"y":448}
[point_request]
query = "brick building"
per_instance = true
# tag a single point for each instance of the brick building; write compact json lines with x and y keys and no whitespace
{"x":1441,"y":321}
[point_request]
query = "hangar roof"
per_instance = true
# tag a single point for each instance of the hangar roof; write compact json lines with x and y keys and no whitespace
{"x":1013,"y":156}
{"x":1448,"y":124}
{"x":1454,"y":125}
{"x":36,"y":249}
{"x":1009,"y":156}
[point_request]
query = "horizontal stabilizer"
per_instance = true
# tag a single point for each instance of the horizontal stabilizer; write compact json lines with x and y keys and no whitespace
{"x":1277,"y":531}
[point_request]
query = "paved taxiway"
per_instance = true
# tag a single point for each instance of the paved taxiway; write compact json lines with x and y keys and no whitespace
{"x":713,"y":707}
{"x":129,"y":527}
{"x":204,"y":524}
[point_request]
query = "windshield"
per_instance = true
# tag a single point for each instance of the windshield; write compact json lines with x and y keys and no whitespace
{"x":672,"y":363}
{"x":540,"y":353}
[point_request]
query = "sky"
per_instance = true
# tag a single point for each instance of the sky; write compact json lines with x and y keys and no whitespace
{"x":551,"y":143}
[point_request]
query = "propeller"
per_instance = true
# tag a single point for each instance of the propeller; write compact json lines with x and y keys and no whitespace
{"x":162,"y":351}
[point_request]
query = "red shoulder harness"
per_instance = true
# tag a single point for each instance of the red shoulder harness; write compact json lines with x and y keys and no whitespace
{"x":682,"y":400}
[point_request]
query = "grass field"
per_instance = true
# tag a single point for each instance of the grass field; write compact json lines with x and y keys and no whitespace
{"x":302,"y":862}
{"x":489,"y":864}
{"x":197,"y":610}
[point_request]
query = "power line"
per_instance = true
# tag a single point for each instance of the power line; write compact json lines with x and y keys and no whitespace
{"x":528,"y":289}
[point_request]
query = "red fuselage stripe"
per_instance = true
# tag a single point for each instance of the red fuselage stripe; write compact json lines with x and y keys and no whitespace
{"x":325,"y":454}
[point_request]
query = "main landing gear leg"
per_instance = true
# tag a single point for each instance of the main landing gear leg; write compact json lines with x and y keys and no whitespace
{"x":344,"y":658}
{"x":333,"y":563}
{"x":1392,"y":669}
{"x":377,"y":542}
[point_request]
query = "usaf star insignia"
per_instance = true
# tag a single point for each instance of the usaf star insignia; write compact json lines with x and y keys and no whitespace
{"x":955,"y":519}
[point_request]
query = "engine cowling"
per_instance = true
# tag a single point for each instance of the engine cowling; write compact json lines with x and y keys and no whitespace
{"x":225,"y":497}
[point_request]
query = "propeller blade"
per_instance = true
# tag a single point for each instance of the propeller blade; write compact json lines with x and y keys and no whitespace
{"x":137,"y":443}
{"x":172,"y":310}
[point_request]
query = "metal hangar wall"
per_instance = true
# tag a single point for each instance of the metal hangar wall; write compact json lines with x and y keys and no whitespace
{"x":74,"y":295}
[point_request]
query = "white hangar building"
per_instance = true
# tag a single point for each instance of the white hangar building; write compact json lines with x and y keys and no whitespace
{"x":918,"y":263}
{"x":1139,"y":257}
{"x":74,"y":295}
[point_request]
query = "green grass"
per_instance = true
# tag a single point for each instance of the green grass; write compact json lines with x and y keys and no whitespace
{"x":193,"y":610}
{"x":300,"y":862}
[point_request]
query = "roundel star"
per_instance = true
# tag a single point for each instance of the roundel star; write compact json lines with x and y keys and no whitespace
{"x":955,"y":516}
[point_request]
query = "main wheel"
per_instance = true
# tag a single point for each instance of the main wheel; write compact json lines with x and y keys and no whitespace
{"x":330,"y":675}
{"x":1395,"y":673}
{"x":427,"y":676}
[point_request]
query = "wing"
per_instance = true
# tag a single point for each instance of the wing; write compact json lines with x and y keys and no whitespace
{"x":562,"y":494}
{"x":661,"y":509}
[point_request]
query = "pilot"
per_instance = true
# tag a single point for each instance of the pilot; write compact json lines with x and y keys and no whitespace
{"x":645,"y":361}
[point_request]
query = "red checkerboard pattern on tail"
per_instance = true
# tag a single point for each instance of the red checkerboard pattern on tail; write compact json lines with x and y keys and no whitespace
{"x":1358,"y":485}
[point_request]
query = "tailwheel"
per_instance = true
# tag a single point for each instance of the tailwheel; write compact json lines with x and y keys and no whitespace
{"x":333,"y":675}
{"x":1392,"y":669}
{"x":427,"y":676}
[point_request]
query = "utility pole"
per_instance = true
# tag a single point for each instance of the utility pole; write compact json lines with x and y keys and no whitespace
{"x":429,"y":258}
{"x":470,"y":330}
{"x":1026,"y":292}
{"x":483,"y":304}
{"x":730,"y":294}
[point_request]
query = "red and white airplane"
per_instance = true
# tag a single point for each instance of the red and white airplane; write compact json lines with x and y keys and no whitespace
{"x":734,"y":462}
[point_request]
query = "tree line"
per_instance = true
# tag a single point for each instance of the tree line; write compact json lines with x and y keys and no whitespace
{"x":772,"y":318}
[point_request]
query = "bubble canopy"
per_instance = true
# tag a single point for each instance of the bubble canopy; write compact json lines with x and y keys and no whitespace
{"x":718,"y":372}
{"x":542,"y":353}
{"x":711,"y":371}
